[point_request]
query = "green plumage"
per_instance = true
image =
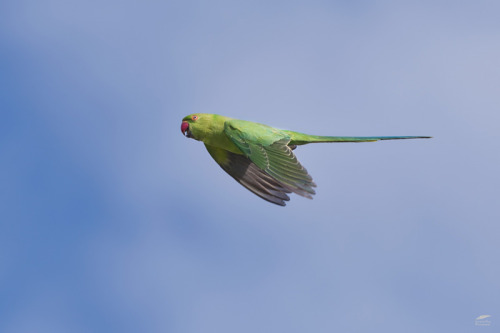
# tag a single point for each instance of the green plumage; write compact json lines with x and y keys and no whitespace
{"x":260,"y":157}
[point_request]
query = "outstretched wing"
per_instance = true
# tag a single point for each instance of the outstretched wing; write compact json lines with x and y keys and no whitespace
{"x":268,"y":149}
{"x":245,"y":172}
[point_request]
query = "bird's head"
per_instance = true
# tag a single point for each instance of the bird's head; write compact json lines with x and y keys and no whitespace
{"x":196,"y":125}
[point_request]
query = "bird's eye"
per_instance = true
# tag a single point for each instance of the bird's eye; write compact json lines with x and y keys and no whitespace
{"x":195,"y":117}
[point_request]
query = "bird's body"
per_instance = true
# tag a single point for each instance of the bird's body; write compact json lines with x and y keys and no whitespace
{"x":260,"y":157}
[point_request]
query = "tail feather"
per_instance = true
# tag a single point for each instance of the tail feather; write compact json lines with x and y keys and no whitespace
{"x":302,"y":139}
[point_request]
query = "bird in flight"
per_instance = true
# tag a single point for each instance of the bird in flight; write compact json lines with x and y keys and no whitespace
{"x":261,"y":157}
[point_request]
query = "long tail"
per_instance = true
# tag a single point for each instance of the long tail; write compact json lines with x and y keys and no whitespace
{"x":302,"y":139}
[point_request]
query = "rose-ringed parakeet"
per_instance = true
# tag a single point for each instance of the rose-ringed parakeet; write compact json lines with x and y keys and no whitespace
{"x":261,"y":157}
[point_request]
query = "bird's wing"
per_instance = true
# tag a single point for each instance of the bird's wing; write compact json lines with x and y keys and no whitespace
{"x":245,"y":172}
{"x":268,"y":149}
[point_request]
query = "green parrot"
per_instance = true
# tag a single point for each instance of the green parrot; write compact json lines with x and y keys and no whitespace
{"x":261,"y":157}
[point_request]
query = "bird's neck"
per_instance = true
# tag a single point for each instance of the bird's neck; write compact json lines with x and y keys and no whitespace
{"x":214,"y":135}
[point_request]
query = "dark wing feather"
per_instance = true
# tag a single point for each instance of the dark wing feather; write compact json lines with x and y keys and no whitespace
{"x":245,"y":172}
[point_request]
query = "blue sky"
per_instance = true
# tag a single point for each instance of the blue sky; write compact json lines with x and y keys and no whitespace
{"x":112,"y":221}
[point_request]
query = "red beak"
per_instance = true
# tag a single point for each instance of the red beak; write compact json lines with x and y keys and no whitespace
{"x":184,"y":127}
